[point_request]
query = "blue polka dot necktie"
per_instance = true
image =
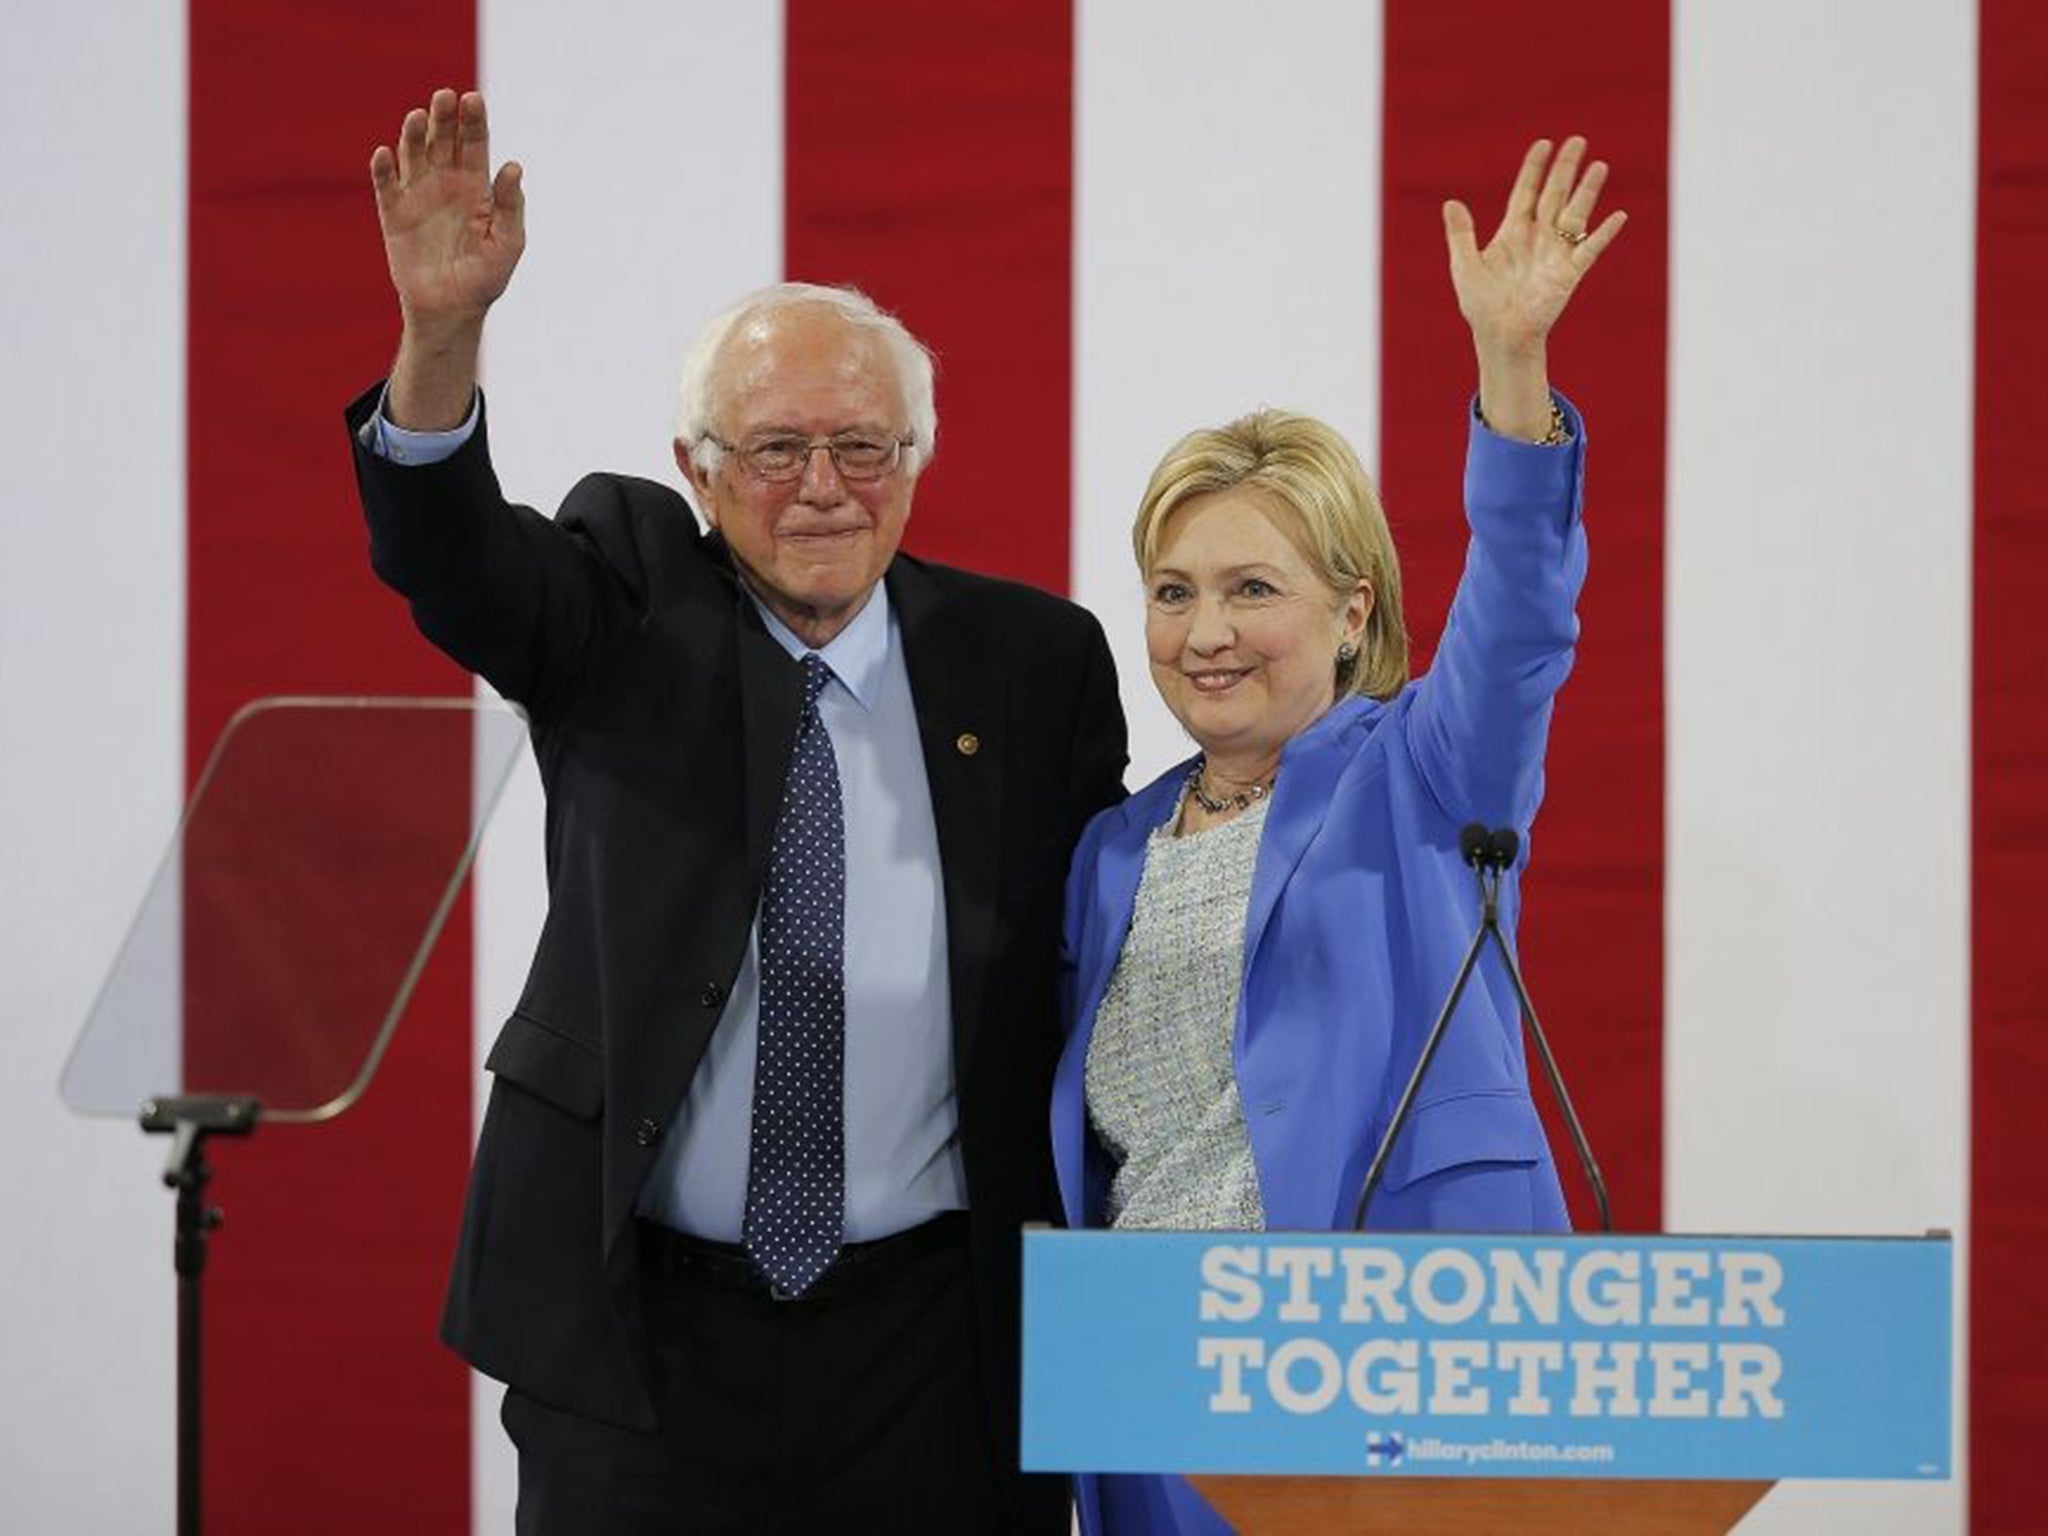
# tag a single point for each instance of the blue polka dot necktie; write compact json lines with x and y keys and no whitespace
{"x":796,"y":1164}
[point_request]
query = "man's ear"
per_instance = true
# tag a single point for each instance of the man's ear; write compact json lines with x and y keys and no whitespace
{"x":699,"y":482}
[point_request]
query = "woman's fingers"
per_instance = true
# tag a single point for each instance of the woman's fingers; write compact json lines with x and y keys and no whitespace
{"x":1458,"y":233}
{"x":1587,"y":251}
{"x":1557,"y":185}
{"x":1576,"y":216}
{"x":1521,"y":205}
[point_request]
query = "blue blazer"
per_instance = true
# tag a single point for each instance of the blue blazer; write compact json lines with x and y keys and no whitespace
{"x":1361,"y":910}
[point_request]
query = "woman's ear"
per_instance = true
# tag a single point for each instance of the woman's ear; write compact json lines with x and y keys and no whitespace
{"x":1357,"y":609}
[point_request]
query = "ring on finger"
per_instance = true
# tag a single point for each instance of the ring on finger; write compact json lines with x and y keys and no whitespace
{"x":1570,"y":236}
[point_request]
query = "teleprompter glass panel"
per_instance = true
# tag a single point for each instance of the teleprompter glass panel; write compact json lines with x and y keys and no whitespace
{"x":317,"y":860}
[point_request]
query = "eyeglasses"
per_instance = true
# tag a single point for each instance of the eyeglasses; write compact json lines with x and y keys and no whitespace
{"x":781,"y":459}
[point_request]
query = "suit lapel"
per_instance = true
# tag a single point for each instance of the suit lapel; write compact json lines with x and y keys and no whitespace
{"x":1310,"y":766}
{"x":1119,"y":867}
{"x":957,"y":688}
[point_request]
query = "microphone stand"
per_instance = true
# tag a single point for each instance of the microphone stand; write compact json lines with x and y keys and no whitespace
{"x":1491,"y":854}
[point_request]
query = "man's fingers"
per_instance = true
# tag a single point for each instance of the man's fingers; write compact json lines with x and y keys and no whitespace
{"x":450,"y":132}
{"x":508,"y":198}
{"x":412,"y":145}
{"x":1522,"y":197}
{"x":474,"y":153}
{"x":384,"y":177}
{"x":441,"y":129}
{"x":1557,"y":185}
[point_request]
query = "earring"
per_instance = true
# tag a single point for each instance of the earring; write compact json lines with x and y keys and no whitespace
{"x":1347,"y":652}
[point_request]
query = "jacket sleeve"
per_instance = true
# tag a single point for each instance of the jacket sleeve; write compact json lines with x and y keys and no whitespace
{"x":1074,"y":919}
{"x":1481,"y":717}
{"x":523,"y":601}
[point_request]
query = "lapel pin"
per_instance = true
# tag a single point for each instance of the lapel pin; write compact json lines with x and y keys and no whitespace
{"x":967,"y":743}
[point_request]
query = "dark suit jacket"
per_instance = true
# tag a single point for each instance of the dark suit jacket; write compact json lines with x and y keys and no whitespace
{"x":663,"y":717}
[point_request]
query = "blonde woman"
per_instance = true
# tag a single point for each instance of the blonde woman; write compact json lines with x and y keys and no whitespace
{"x":1257,"y":941}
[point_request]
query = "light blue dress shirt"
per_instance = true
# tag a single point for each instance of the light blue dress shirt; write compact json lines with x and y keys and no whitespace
{"x":902,"y":1147}
{"x":903,"y":1162}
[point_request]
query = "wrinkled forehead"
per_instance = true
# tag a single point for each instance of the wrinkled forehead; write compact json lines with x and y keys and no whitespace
{"x":804,"y":366}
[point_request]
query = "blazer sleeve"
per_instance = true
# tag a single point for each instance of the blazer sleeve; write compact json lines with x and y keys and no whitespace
{"x":523,"y":601}
{"x":1481,"y":717}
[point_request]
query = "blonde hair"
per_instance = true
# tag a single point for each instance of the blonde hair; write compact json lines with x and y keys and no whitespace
{"x":1305,"y":469}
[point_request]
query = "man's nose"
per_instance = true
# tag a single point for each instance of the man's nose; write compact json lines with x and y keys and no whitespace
{"x":822,"y":481}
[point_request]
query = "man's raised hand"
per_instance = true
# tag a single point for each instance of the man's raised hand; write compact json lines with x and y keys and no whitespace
{"x":452,"y":235}
{"x":452,"y":232}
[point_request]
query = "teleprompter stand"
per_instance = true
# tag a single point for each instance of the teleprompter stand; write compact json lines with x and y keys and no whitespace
{"x":188,"y":1121}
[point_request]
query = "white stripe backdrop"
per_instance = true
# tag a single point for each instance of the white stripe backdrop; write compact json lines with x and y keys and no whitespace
{"x":1226,"y":256}
{"x":92,"y":621}
{"x":1817,"y":1026}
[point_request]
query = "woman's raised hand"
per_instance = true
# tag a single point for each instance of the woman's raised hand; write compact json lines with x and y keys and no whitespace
{"x":452,"y":232}
{"x":1512,"y":291}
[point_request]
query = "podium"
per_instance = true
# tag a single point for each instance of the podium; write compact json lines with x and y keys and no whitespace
{"x":1443,"y":1383}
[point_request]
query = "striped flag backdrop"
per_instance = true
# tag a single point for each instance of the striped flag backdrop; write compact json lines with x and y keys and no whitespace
{"x":1781,"y":917}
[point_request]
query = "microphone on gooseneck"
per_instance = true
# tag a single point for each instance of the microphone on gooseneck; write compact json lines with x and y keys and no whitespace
{"x":1489,"y":848}
{"x":1491,"y":853}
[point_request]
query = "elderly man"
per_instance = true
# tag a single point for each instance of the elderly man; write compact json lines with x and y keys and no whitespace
{"x":742,"y":1233}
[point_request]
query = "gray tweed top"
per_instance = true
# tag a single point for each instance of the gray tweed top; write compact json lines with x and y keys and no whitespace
{"x":1162,"y":1092}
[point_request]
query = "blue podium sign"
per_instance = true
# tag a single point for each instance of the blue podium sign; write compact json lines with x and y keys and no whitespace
{"x":1432,"y":1355}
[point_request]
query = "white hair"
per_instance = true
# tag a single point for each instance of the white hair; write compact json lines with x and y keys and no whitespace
{"x":914,"y":367}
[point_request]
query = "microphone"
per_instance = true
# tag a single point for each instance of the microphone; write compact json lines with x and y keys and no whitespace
{"x":1475,"y":843}
{"x":1486,"y":848}
{"x":1491,"y":853}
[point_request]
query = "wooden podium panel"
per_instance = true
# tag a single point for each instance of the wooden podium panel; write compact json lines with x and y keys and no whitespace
{"x":1478,"y":1506}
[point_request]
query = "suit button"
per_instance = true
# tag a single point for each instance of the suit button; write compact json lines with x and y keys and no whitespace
{"x":647,"y":1133}
{"x":712,"y":995}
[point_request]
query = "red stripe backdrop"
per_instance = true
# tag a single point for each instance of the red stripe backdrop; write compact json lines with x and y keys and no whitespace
{"x":330,"y":1407}
{"x":2008,"y":1288}
{"x":889,"y":156}
{"x":1466,"y":87}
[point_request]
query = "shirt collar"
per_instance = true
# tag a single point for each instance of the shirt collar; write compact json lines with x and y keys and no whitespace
{"x":856,"y":655}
